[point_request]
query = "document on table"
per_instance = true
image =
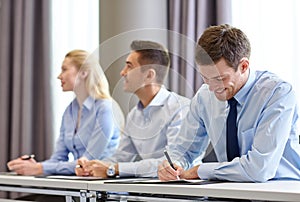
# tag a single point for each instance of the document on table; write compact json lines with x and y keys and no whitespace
{"x":75,"y":177}
{"x":71,"y":177}
{"x":64,"y":177}
{"x":157,"y":181}
{"x":9,"y":173}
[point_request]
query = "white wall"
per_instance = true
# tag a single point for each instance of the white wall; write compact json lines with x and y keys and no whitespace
{"x":273,"y":28}
{"x":120,"y":23}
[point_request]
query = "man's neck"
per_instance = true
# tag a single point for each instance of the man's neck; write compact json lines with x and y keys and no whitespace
{"x":147,"y":94}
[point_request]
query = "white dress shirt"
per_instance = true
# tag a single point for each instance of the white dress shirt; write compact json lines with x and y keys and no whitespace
{"x":147,"y":133}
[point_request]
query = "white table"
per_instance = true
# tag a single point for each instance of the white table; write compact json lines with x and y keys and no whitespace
{"x":30,"y":184}
{"x":270,"y":191}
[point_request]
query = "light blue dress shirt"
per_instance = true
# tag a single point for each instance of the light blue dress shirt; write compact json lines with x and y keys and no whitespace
{"x":267,"y":132}
{"x":96,"y":138}
{"x":147,"y":133}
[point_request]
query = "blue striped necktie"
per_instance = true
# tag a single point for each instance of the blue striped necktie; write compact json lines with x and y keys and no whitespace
{"x":232,"y":146}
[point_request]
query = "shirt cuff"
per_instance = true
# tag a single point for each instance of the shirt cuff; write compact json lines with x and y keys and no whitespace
{"x":60,"y":168}
{"x":206,"y":171}
{"x":49,"y":168}
{"x":126,"y":169}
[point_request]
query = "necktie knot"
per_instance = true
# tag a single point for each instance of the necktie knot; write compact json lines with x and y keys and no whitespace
{"x":232,"y":102}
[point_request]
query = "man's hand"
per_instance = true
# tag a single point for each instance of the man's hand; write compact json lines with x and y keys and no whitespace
{"x":79,"y":170}
{"x":25,"y":167}
{"x":98,"y":168}
{"x":91,"y":168}
{"x":166,"y":172}
{"x":190,"y":174}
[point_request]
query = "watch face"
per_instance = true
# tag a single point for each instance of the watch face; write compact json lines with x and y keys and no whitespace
{"x":110,"y":172}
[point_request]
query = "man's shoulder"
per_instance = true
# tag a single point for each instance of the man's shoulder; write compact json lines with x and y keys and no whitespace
{"x":270,"y":81}
{"x":175,"y":101}
{"x":180,"y":98}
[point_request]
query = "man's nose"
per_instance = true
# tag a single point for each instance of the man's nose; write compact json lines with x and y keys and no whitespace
{"x":123,"y":72}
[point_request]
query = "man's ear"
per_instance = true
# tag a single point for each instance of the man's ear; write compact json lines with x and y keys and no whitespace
{"x":151,"y":74}
{"x":244,"y":64}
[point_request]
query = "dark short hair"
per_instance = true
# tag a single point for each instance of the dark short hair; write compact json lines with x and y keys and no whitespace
{"x":222,"y":41}
{"x":152,"y":53}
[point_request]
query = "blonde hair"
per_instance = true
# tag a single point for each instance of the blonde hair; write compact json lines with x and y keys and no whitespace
{"x":96,"y":82}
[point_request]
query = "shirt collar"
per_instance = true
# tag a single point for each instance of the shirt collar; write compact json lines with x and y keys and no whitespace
{"x":88,"y":103}
{"x":159,"y":98}
{"x":242,"y":93}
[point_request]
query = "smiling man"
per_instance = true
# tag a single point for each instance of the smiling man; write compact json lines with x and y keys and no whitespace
{"x":250,"y":117}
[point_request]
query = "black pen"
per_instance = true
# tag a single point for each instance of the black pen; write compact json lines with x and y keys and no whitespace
{"x":27,"y":157}
{"x":170,"y":162}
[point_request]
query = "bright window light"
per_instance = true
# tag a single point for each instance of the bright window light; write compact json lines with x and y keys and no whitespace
{"x":75,"y":25}
{"x":273,"y":28}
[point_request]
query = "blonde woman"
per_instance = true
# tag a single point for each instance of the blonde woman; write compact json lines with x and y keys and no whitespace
{"x":88,"y":128}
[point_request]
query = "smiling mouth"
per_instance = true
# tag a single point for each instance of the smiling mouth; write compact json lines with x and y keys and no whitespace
{"x":219,"y":91}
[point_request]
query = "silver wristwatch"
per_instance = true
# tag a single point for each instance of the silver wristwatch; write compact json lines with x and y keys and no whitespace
{"x":111,"y":171}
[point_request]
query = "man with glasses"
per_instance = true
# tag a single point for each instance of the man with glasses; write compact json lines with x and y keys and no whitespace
{"x":249,"y":117}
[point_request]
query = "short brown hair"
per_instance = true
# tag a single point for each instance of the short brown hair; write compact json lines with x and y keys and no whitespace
{"x":222,"y":41}
{"x":152,"y":53}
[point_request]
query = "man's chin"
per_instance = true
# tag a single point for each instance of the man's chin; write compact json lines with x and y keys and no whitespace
{"x":221,"y":97}
{"x":128,"y":90}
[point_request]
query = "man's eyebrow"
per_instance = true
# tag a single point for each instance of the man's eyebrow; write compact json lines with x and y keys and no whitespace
{"x":212,"y":77}
{"x":129,"y":63}
{"x":220,"y":76}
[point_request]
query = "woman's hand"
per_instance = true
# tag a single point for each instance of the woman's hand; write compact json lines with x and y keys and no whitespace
{"x":25,"y":167}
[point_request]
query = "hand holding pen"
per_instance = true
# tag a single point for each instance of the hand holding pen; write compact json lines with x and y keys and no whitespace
{"x":80,"y":168}
{"x":170,"y":162}
{"x":25,"y":165}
